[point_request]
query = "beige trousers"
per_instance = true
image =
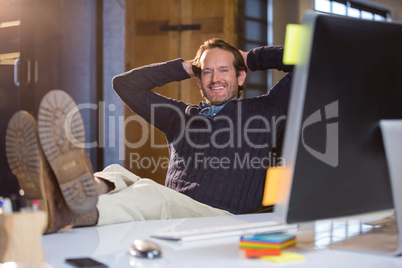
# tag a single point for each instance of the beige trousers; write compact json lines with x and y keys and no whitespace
{"x":137,"y":199}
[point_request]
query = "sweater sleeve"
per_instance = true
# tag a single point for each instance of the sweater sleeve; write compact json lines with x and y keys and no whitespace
{"x":135,"y":89}
{"x":270,"y":57}
{"x":267,"y":57}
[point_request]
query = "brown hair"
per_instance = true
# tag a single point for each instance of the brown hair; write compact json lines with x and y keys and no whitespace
{"x":238,"y":62}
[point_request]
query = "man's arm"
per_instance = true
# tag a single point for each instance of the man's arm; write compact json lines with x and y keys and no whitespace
{"x":271,"y":57}
{"x":135,"y":89}
{"x":267,"y":57}
{"x":149,"y":77}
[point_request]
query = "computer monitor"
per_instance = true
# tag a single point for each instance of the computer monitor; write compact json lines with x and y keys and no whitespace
{"x":347,"y":78}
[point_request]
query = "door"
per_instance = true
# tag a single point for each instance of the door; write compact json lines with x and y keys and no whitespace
{"x":60,"y":44}
{"x":9,"y":87}
{"x":56,"y":43}
{"x":159,"y":31}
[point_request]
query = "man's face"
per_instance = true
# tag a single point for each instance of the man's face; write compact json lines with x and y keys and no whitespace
{"x":218,"y":81}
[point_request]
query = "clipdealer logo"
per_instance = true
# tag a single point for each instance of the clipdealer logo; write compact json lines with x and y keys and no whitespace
{"x":331,"y":154}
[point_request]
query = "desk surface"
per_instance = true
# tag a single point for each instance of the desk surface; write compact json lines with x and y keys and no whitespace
{"x":110,"y":244}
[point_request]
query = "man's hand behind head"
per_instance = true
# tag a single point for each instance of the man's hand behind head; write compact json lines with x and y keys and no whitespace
{"x":244,"y":54}
{"x":187,"y":65}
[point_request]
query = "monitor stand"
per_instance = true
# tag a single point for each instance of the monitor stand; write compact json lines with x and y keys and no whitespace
{"x":389,"y":243}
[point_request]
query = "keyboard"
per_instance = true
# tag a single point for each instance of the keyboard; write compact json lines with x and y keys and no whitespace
{"x":240,"y":229}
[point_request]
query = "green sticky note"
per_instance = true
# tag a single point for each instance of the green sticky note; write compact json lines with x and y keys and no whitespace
{"x":292,"y":43}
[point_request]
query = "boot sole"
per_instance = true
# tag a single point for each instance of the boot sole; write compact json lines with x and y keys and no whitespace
{"x":25,"y":157}
{"x":62,"y":136}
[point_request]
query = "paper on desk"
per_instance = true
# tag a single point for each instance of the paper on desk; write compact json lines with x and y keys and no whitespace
{"x":286,"y":256}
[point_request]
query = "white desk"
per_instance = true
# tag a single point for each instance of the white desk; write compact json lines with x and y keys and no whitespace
{"x":110,"y":244}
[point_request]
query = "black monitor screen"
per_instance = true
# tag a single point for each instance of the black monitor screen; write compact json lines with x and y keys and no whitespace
{"x":351,"y":79}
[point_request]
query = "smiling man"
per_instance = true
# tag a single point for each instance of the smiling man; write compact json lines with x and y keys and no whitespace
{"x":218,"y":149}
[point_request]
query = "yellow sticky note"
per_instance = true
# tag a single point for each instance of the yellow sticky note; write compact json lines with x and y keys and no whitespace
{"x":292,"y":43}
{"x":271,"y":186}
{"x":286,"y":256}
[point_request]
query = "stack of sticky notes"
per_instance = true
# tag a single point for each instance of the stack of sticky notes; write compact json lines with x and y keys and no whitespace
{"x":268,"y":241}
{"x":269,"y":247}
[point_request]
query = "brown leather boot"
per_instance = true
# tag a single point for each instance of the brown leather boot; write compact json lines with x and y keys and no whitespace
{"x":62,"y":136}
{"x":34,"y":175}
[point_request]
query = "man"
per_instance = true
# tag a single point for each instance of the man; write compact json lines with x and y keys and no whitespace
{"x":215,"y":146}
{"x":219,"y":150}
